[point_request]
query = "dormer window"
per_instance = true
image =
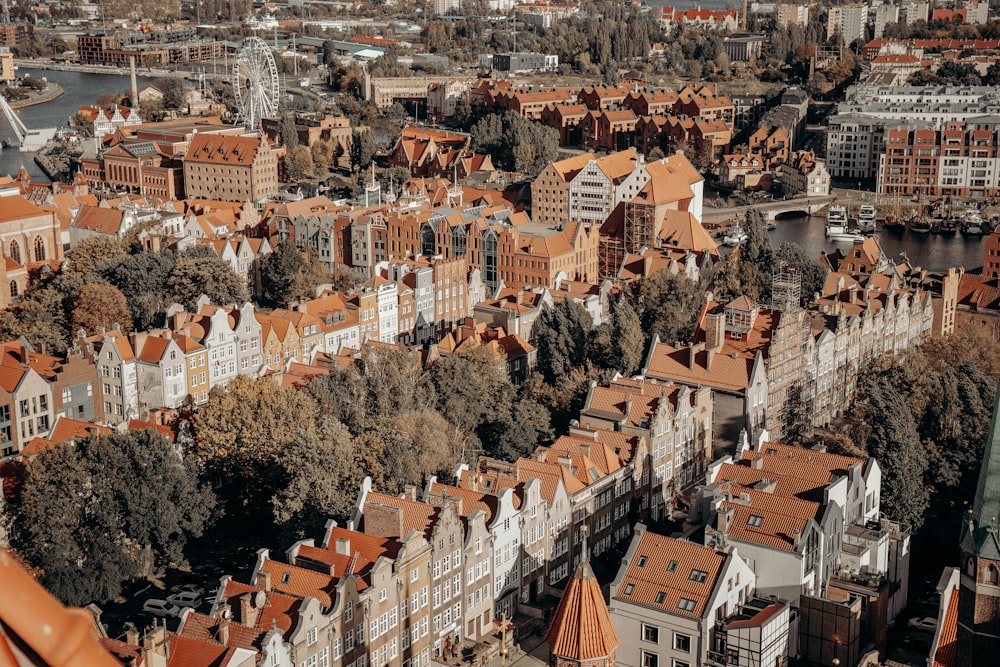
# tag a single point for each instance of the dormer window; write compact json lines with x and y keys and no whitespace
{"x":755,"y":520}
{"x":641,"y":562}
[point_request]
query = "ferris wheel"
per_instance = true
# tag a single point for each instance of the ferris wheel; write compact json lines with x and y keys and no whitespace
{"x":255,"y":82}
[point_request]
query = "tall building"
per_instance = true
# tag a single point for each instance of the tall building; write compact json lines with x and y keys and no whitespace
{"x":848,"y":21}
{"x":978,"y":592}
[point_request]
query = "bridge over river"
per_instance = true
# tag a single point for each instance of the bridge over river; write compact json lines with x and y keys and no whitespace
{"x":772,"y":209}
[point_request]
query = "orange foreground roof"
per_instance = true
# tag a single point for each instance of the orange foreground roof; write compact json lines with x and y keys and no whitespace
{"x":30,"y":616}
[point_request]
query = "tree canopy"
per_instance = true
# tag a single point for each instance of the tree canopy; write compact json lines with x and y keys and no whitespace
{"x":95,"y":515}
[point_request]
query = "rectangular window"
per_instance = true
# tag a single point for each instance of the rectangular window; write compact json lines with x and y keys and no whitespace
{"x":698,"y":576}
{"x":650,"y":633}
{"x":686,"y":605}
{"x":682,"y":642}
{"x":650,"y":659}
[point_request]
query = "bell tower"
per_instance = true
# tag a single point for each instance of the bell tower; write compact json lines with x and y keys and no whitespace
{"x":979,"y":585}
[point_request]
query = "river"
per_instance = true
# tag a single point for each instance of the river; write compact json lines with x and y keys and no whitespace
{"x":928,"y":251}
{"x":79,"y":89}
{"x":931,"y":251}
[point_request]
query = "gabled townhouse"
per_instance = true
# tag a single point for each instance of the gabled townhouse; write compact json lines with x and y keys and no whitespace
{"x":565,"y":119}
{"x":670,"y":598}
{"x":161,"y":372}
{"x":279,"y":341}
{"x":114,"y":357}
{"x":603,"y":183}
{"x":244,"y":254}
{"x":739,"y":383}
{"x":674,"y":420}
{"x":502,"y":519}
{"x":26,"y":402}
{"x":773,"y":144}
{"x":806,"y":521}
{"x":308,"y":331}
{"x":387,"y":306}
{"x":232,"y":338}
{"x":308,"y":223}
{"x":337,"y":321}
{"x":460,"y":558}
{"x":550,"y":190}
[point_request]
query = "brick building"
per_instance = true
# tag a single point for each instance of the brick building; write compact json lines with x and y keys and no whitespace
{"x":230,"y":168}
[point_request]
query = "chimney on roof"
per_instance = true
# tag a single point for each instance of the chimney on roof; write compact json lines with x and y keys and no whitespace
{"x":757,"y":463}
{"x":693,"y":355}
{"x":410,"y":492}
{"x":248,"y":614}
{"x":132,"y":636}
{"x":342,"y":545}
{"x":723,"y":519}
{"x":264,"y":580}
{"x":715,"y":331}
{"x":796,"y":537}
{"x":223,"y":631}
{"x":585,"y":449}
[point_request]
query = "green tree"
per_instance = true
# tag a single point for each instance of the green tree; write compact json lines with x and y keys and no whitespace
{"x":191,"y":277}
{"x":472,"y":387}
{"x":320,"y":479}
{"x":619,"y":344}
{"x":883,"y":421}
{"x":363,"y":149}
{"x":515,"y":143}
{"x":173,"y":92}
{"x":95,"y":515}
{"x":287,"y":133}
{"x":100,"y":305}
{"x":561,"y":337}
{"x":242,"y":430}
{"x":668,"y":305}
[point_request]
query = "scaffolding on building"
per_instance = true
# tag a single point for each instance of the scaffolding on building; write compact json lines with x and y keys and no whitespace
{"x":786,"y":290}
{"x":610,"y":257}
{"x":639,"y":230}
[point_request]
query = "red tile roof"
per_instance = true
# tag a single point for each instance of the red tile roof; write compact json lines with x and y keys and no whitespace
{"x":660,"y":575}
{"x":581,"y":627}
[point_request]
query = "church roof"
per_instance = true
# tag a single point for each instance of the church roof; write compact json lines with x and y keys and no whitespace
{"x":581,"y":627}
{"x":980,"y":533}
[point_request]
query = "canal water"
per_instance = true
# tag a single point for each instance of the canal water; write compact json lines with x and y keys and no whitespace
{"x":928,"y":251}
{"x":78,"y":89}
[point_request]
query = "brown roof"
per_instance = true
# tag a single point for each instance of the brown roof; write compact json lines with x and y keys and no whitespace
{"x":726,"y":371}
{"x":660,"y":575}
{"x":17,"y":207}
{"x":581,"y":627}
{"x":223,"y":149}
{"x":416,"y":515}
{"x":98,"y":219}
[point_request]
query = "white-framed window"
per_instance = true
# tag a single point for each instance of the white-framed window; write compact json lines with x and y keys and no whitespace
{"x":311,"y":636}
{"x":650,"y":633}
{"x":650,"y":659}
{"x":682,"y":642}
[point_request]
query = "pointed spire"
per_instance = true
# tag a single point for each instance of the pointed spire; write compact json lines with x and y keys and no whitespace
{"x":581,"y":628}
{"x":980,"y":534}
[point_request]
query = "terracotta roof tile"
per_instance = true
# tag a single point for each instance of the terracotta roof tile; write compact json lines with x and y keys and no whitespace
{"x":418,"y":516}
{"x":581,"y":627}
{"x":660,"y":575}
{"x":947,"y":650}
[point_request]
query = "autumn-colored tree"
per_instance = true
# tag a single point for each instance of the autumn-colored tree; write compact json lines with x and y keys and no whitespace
{"x":191,"y":277}
{"x":88,"y":252}
{"x":298,"y":163}
{"x":100,"y":306}
{"x":243,"y":429}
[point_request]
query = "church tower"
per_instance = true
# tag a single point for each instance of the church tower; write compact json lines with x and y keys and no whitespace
{"x":979,"y":587}
{"x":581,"y":633}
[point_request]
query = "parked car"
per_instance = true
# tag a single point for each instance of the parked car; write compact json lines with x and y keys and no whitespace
{"x":925,"y":623}
{"x":194,"y":588}
{"x":160,"y":608}
{"x":185,"y":599}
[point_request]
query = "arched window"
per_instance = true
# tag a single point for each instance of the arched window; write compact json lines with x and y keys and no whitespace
{"x":970,"y":567}
{"x":39,"y":249}
{"x":15,"y":252}
{"x":992,"y":575}
{"x":13,"y":288}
